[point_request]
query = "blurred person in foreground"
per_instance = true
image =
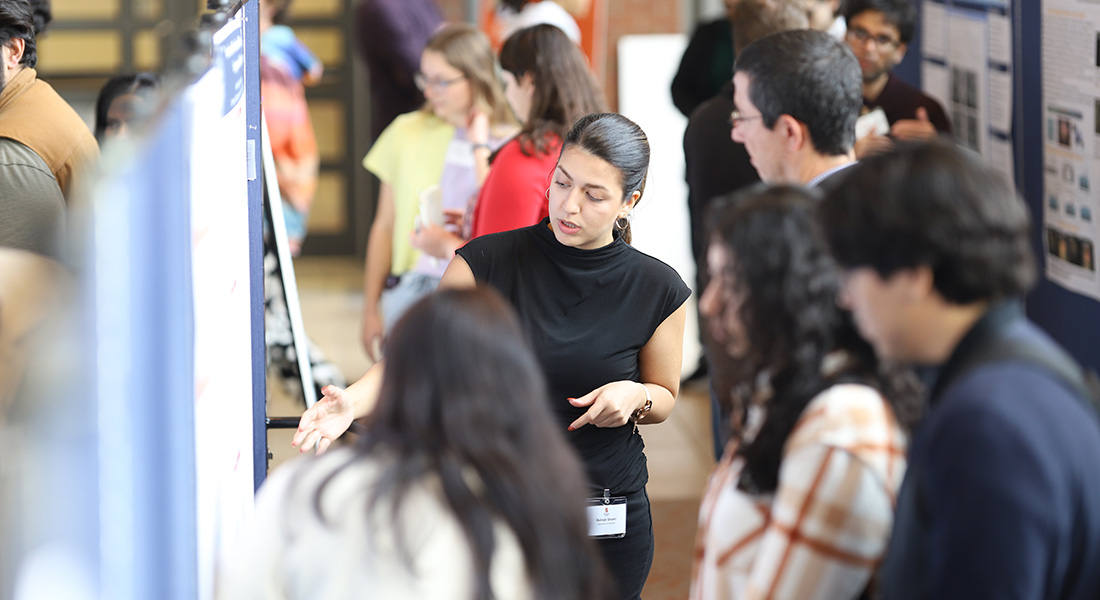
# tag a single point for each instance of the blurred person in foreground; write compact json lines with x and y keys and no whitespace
{"x":460,"y":487}
{"x":801,"y":504}
{"x":1002,"y":495}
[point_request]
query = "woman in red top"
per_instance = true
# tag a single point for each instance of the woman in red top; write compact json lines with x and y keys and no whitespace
{"x":549,"y":86}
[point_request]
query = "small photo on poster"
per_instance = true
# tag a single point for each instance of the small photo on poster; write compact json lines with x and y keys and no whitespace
{"x":972,"y":89}
{"x":1070,"y":248}
{"x":958,"y":86}
{"x":1054,"y":242}
{"x":1065,"y":133}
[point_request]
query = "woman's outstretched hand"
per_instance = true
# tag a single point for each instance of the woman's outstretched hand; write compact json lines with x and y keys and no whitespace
{"x":327,"y":420}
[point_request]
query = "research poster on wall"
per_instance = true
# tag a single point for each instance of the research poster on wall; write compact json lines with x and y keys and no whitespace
{"x":1071,"y":142}
{"x":967,"y":64}
{"x":220,"y":270}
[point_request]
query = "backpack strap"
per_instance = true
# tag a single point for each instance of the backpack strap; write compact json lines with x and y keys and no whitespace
{"x":1084,"y":383}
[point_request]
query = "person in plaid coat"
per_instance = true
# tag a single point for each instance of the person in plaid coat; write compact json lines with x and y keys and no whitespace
{"x":802,"y":503}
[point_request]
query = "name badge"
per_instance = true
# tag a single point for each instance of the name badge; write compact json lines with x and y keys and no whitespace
{"x":607,"y":516}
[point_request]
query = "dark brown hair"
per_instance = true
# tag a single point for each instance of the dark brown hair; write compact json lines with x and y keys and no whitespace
{"x":780,"y":265}
{"x":621,"y":143}
{"x":463,"y":399}
{"x":565,"y":89}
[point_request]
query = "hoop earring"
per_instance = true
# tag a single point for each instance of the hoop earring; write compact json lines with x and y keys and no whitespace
{"x":621,"y":223}
{"x":547,"y":193}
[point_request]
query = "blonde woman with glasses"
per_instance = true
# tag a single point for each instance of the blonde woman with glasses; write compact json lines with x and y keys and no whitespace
{"x":428,"y":161}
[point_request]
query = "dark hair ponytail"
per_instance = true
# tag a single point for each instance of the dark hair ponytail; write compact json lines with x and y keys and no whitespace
{"x":621,"y":143}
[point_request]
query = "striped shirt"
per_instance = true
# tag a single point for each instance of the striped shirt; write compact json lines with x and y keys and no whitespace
{"x":823,"y":532}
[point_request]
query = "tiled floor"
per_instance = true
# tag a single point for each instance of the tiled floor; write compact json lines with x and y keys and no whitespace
{"x":678,"y":450}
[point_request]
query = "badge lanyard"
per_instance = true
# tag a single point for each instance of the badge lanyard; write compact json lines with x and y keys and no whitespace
{"x":607,"y":516}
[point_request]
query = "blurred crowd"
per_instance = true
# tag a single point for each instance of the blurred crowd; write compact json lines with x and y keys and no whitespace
{"x":887,"y":421}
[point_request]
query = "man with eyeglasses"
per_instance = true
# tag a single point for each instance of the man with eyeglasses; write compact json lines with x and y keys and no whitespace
{"x":878,"y":34}
{"x":796,"y":99}
{"x":715,"y":165}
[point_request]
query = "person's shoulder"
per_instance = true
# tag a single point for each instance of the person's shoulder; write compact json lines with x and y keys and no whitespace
{"x":500,"y":241}
{"x":653,"y":267}
{"x":279,"y":33}
{"x":898,"y":88}
{"x":14,"y":153}
{"x":26,"y":178}
{"x":417,"y":119}
{"x":847,"y":414}
{"x":1023,"y":398}
{"x":713,"y":110}
{"x":416,"y":123}
{"x":511,"y":150}
{"x":713,"y":29}
{"x":293,"y":484}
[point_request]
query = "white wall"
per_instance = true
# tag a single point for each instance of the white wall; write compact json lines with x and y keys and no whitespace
{"x":647,"y":64}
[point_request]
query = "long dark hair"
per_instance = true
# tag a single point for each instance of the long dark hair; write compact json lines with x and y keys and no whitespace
{"x":621,"y":143}
{"x":789,"y":282}
{"x":143,"y":83}
{"x":463,"y":396}
{"x":565,"y":89}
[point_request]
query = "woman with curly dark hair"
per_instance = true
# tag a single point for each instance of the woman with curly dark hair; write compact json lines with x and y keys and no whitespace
{"x":801,"y":504}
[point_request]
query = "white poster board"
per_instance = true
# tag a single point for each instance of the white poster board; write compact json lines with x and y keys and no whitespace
{"x":968,"y":66}
{"x":660,"y":225}
{"x":1071,"y":152}
{"x":220,"y":268}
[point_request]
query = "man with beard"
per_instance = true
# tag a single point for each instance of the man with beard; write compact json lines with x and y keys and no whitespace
{"x":32,"y":114}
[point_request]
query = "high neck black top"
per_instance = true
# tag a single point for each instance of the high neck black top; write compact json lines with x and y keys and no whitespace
{"x":588,"y":313}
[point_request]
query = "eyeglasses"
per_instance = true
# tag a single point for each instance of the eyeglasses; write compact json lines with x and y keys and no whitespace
{"x":736,"y":118}
{"x":438,"y":85}
{"x":860,"y":35}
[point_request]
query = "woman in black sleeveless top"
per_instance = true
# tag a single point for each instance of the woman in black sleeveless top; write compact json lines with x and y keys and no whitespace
{"x":606,"y":322}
